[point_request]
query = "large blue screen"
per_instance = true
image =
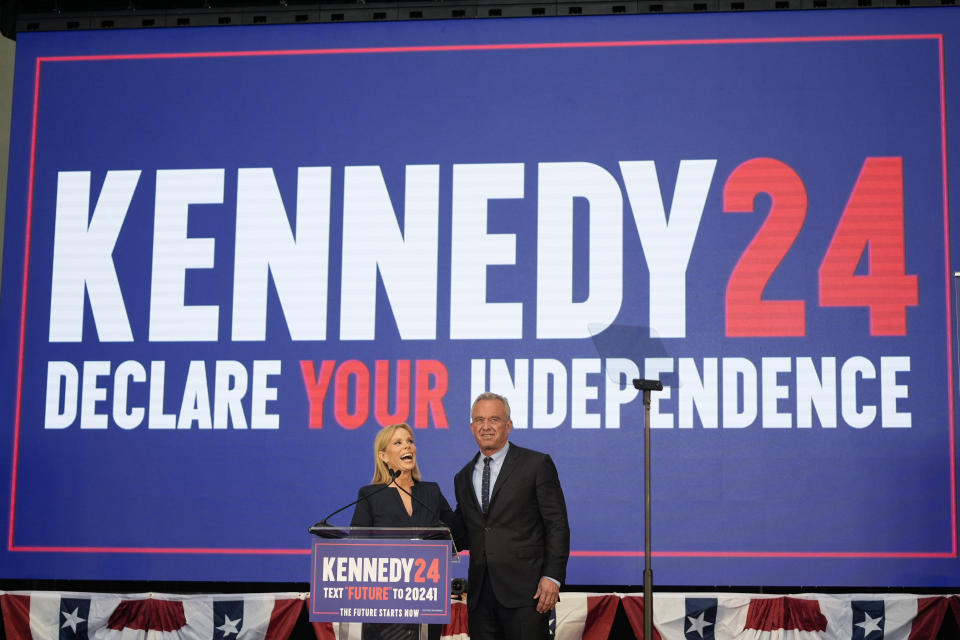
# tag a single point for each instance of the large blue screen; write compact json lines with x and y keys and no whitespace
{"x":233,"y":254}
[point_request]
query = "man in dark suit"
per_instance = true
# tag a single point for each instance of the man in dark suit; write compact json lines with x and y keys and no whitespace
{"x":514,"y":517}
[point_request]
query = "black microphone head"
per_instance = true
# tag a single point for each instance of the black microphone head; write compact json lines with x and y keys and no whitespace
{"x":396,"y":473}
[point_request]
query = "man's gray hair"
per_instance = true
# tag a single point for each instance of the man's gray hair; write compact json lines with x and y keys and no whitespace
{"x":489,"y":395}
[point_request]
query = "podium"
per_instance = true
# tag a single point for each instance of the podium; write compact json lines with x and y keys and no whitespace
{"x":381,"y":574}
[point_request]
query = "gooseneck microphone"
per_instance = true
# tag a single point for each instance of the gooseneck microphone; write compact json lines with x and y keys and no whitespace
{"x":393,"y":478}
{"x":436,"y":517}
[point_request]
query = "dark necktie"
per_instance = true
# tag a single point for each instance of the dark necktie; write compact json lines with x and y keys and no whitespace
{"x":485,"y":485}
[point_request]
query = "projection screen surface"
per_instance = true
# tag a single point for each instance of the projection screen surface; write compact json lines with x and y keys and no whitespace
{"x":232,"y":254}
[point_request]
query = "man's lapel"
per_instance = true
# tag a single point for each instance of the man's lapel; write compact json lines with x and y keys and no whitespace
{"x":509,"y":464}
{"x":468,"y":477}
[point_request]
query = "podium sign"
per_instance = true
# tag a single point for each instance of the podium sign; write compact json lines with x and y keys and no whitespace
{"x":380,"y":580}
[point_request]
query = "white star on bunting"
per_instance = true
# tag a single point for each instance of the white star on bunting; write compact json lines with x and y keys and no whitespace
{"x":869,"y":624}
{"x":698,"y":624}
{"x":229,"y":626}
{"x":72,"y":619}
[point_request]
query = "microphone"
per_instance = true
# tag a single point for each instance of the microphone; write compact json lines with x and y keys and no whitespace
{"x":393,"y":478}
{"x":436,"y":516}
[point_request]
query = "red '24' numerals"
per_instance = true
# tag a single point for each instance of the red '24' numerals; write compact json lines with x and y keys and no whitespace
{"x":872,"y":221}
{"x":433,"y":573}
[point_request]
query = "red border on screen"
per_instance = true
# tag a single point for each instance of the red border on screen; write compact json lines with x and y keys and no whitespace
{"x":953,"y":553}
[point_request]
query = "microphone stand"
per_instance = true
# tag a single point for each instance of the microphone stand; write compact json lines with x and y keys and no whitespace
{"x":431,"y":511}
{"x":437,"y":522}
{"x":323,"y":523}
{"x":647,"y":386}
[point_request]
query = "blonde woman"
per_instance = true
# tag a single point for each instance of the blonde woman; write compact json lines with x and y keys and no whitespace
{"x":408,"y":502}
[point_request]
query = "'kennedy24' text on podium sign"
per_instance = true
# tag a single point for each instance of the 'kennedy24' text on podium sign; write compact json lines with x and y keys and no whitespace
{"x":362,"y":580}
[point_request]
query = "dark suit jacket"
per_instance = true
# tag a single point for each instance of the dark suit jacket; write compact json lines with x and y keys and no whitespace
{"x":523,"y":536}
{"x":384,"y":508}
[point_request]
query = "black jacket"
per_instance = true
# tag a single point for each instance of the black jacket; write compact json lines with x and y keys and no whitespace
{"x":524,"y":535}
{"x":379,"y":507}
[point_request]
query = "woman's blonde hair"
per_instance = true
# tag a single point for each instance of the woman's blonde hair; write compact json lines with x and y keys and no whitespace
{"x":380,"y":475}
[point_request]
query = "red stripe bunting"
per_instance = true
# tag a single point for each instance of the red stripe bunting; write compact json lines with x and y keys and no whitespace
{"x":283,"y":618}
{"x":148,"y":615}
{"x":16,"y":616}
{"x":790,"y":614}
